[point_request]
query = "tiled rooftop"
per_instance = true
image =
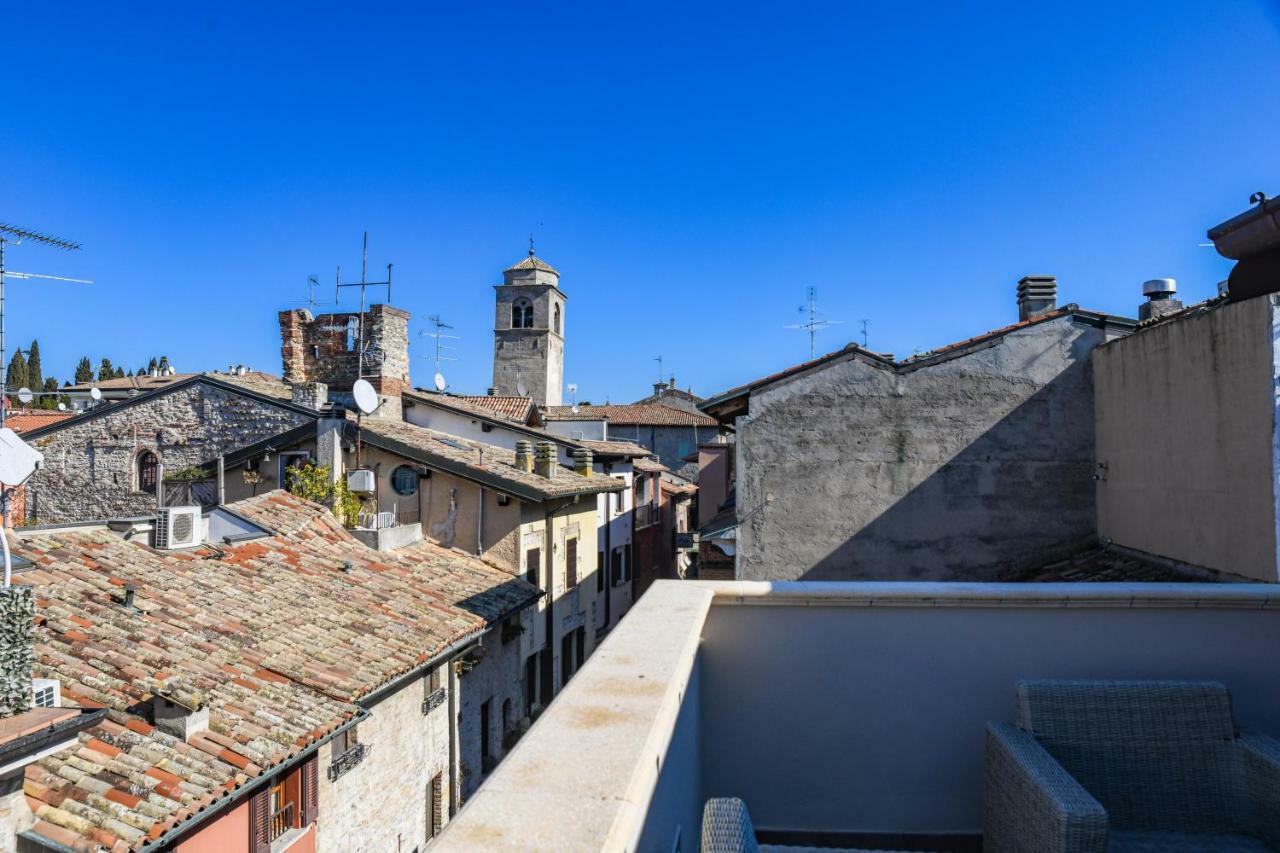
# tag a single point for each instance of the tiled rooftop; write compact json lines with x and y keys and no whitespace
{"x":279,"y":636}
{"x":532,"y":262}
{"x":614,"y":448}
{"x":485,"y":462}
{"x":639,"y":414}
{"x":35,"y":419}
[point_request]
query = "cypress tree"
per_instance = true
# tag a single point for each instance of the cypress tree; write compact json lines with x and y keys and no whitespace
{"x":119,"y":374}
{"x":105,"y":370}
{"x":50,"y":401}
{"x":17,"y":377}
{"x":84,"y":371}
{"x":35,"y":376}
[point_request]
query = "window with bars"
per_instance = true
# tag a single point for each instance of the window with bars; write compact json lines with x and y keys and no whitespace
{"x":148,"y":466}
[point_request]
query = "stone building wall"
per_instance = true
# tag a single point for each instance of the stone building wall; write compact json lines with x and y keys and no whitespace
{"x":383,"y":803}
{"x":90,"y":468}
{"x":497,"y":680}
{"x":957,"y":470}
{"x":326,"y":348}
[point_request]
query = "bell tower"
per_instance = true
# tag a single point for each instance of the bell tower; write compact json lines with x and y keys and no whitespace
{"x":528,"y":332}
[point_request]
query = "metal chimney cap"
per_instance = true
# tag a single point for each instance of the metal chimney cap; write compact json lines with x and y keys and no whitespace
{"x":1159,"y":285}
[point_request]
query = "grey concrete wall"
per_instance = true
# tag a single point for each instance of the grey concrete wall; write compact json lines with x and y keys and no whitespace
{"x":871,"y":719}
{"x":670,"y":444}
{"x":1185,"y":420}
{"x":90,"y":468}
{"x":673,"y":820}
{"x":957,"y":470}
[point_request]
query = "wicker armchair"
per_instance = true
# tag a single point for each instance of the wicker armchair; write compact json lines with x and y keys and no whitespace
{"x":1121,"y":766}
{"x":726,"y":828}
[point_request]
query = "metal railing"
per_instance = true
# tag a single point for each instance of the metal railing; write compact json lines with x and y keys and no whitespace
{"x":376,"y":520}
{"x":190,"y":493}
{"x":435,"y":700}
{"x":347,"y":761}
{"x":282,"y":821}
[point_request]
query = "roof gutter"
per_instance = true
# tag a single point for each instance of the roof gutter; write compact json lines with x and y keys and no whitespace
{"x":1250,"y":233}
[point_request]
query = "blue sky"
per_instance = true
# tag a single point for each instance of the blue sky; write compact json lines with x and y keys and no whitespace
{"x":690,"y":169}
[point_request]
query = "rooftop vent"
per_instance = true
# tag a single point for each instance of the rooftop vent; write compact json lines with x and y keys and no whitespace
{"x":1160,"y":299}
{"x":1037,"y":295}
{"x":524,"y":455}
{"x":180,"y":712}
{"x":544,"y":460}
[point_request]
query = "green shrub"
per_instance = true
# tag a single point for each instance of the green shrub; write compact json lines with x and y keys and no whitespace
{"x":312,"y":482}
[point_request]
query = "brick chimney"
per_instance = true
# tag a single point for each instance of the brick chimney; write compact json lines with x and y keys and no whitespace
{"x":1037,"y":295}
{"x":544,"y":462}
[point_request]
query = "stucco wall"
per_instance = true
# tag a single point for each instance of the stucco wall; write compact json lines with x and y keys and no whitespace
{"x":949,"y":471}
{"x":90,"y":468}
{"x":1185,"y":419}
{"x":229,"y":833}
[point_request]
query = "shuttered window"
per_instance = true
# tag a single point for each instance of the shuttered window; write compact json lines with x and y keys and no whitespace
{"x":260,"y":822}
{"x":571,"y":563}
{"x":310,"y":790}
{"x":435,"y":806}
{"x":532,"y":562}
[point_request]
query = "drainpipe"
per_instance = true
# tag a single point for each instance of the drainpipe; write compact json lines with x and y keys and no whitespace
{"x":455,"y":775}
{"x":607,"y":568}
{"x":222,"y":480}
{"x":159,"y":487}
{"x":480,"y":522}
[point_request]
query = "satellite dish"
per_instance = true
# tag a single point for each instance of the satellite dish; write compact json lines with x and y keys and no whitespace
{"x":366,"y":398}
{"x":62,"y":407}
{"x":25,"y":396}
{"x":521,"y":390}
{"x":18,"y":460}
{"x":440,"y":383}
{"x":573,"y":387}
{"x":95,"y":393}
{"x":576,"y":408}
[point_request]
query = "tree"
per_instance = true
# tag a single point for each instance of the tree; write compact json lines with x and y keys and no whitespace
{"x":119,"y":374}
{"x":17,"y":376}
{"x":105,"y":370}
{"x":51,"y":398}
{"x":84,"y":371}
{"x":35,"y":377}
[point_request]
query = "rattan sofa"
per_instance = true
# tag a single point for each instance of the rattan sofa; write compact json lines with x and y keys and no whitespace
{"x":1127,"y":766}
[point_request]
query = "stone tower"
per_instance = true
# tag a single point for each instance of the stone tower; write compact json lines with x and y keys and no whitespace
{"x":528,"y":332}
{"x":327,"y":349}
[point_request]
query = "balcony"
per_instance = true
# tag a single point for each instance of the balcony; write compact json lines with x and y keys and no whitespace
{"x":845,"y":712}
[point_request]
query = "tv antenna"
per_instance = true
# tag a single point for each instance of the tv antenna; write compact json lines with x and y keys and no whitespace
{"x":313,"y":281}
{"x":865,"y":324}
{"x":815,"y":323}
{"x":363,"y":284}
{"x":15,"y":235}
{"x":439,"y":324}
{"x":660,"y":379}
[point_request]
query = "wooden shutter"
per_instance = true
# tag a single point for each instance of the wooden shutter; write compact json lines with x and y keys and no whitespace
{"x":260,"y":822}
{"x":532,"y":564}
{"x":310,"y":790}
{"x":571,"y":564}
{"x":437,"y":806}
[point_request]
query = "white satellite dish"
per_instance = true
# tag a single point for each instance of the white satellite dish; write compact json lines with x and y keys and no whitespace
{"x":366,"y":398}
{"x":25,"y":396}
{"x":573,"y":387}
{"x":440,"y":383}
{"x":521,"y":390}
{"x":95,"y":393}
{"x":62,"y":407}
{"x":576,"y":408}
{"x":18,"y":461}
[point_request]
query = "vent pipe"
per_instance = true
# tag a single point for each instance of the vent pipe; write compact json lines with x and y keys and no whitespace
{"x":1160,"y":302}
{"x":1037,"y":296}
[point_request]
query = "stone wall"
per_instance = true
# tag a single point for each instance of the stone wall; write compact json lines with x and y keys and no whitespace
{"x":961,"y":469}
{"x":327,"y":348}
{"x":497,"y":680}
{"x":17,"y":610}
{"x":90,"y":468}
{"x":383,"y":803}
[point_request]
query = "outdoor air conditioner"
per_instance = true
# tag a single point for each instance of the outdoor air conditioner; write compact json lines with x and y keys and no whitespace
{"x":178,"y":527}
{"x":360,"y":481}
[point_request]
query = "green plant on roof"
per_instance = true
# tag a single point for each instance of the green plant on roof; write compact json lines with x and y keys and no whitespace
{"x":191,"y":472}
{"x":313,"y":482}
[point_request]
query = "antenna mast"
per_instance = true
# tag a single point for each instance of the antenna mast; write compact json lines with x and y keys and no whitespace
{"x":815,"y":323}
{"x":438,"y":323}
{"x":363,"y":283}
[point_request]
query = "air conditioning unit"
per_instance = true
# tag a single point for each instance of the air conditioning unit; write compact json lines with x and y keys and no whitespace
{"x":178,"y":527}
{"x":46,"y":693}
{"x":360,"y":481}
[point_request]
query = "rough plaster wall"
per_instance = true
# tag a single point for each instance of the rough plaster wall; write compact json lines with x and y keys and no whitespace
{"x":947,"y":472}
{"x":1185,"y":426}
{"x":89,"y":468}
{"x":497,"y":677}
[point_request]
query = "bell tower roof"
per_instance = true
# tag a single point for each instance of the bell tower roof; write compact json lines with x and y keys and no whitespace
{"x":533,"y":262}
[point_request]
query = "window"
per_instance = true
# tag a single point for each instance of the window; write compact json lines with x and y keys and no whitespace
{"x":291,"y":459}
{"x":600,"y":571}
{"x":522,"y":314}
{"x":345,"y":740}
{"x":570,"y":563}
{"x":433,"y":680}
{"x":566,"y":659}
{"x":148,"y":465}
{"x":282,"y":810}
{"x":404,"y":480}
{"x":532,"y":563}
{"x":530,"y":683}
{"x":556,"y":324}
{"x":485,"y":708}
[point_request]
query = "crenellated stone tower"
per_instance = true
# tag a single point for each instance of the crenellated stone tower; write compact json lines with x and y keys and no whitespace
{"x":528,"y":332}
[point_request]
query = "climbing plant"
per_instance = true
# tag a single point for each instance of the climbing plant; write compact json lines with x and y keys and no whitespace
{"x":313,"y":482}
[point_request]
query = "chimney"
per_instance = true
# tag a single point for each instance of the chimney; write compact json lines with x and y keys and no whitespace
{"x":180,"y":711}
{"x":1160,"y":301}
{"x":544,"y":462}
{"x":293,"y":344}
{"x":524,"y":455}
{"x":658,"y":388}
{"x":313,"y":395}
{"x":582,"y":459}
{"x":1037,"y":296}
{"x":493,"y":392}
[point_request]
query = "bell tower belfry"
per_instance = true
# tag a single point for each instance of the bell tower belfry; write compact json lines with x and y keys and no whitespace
{"x":528,"y":332}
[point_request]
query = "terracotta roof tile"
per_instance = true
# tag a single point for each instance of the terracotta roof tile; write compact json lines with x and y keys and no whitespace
{"x":639,"y":414}
{"x":26,"y":421}
{"x":285,"y":671}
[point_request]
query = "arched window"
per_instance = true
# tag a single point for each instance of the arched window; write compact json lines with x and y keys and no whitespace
{"x":148,"y":465}
{"x":556,"y":325}
{"x":522,"y":314}
{"x":404,"y":480}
